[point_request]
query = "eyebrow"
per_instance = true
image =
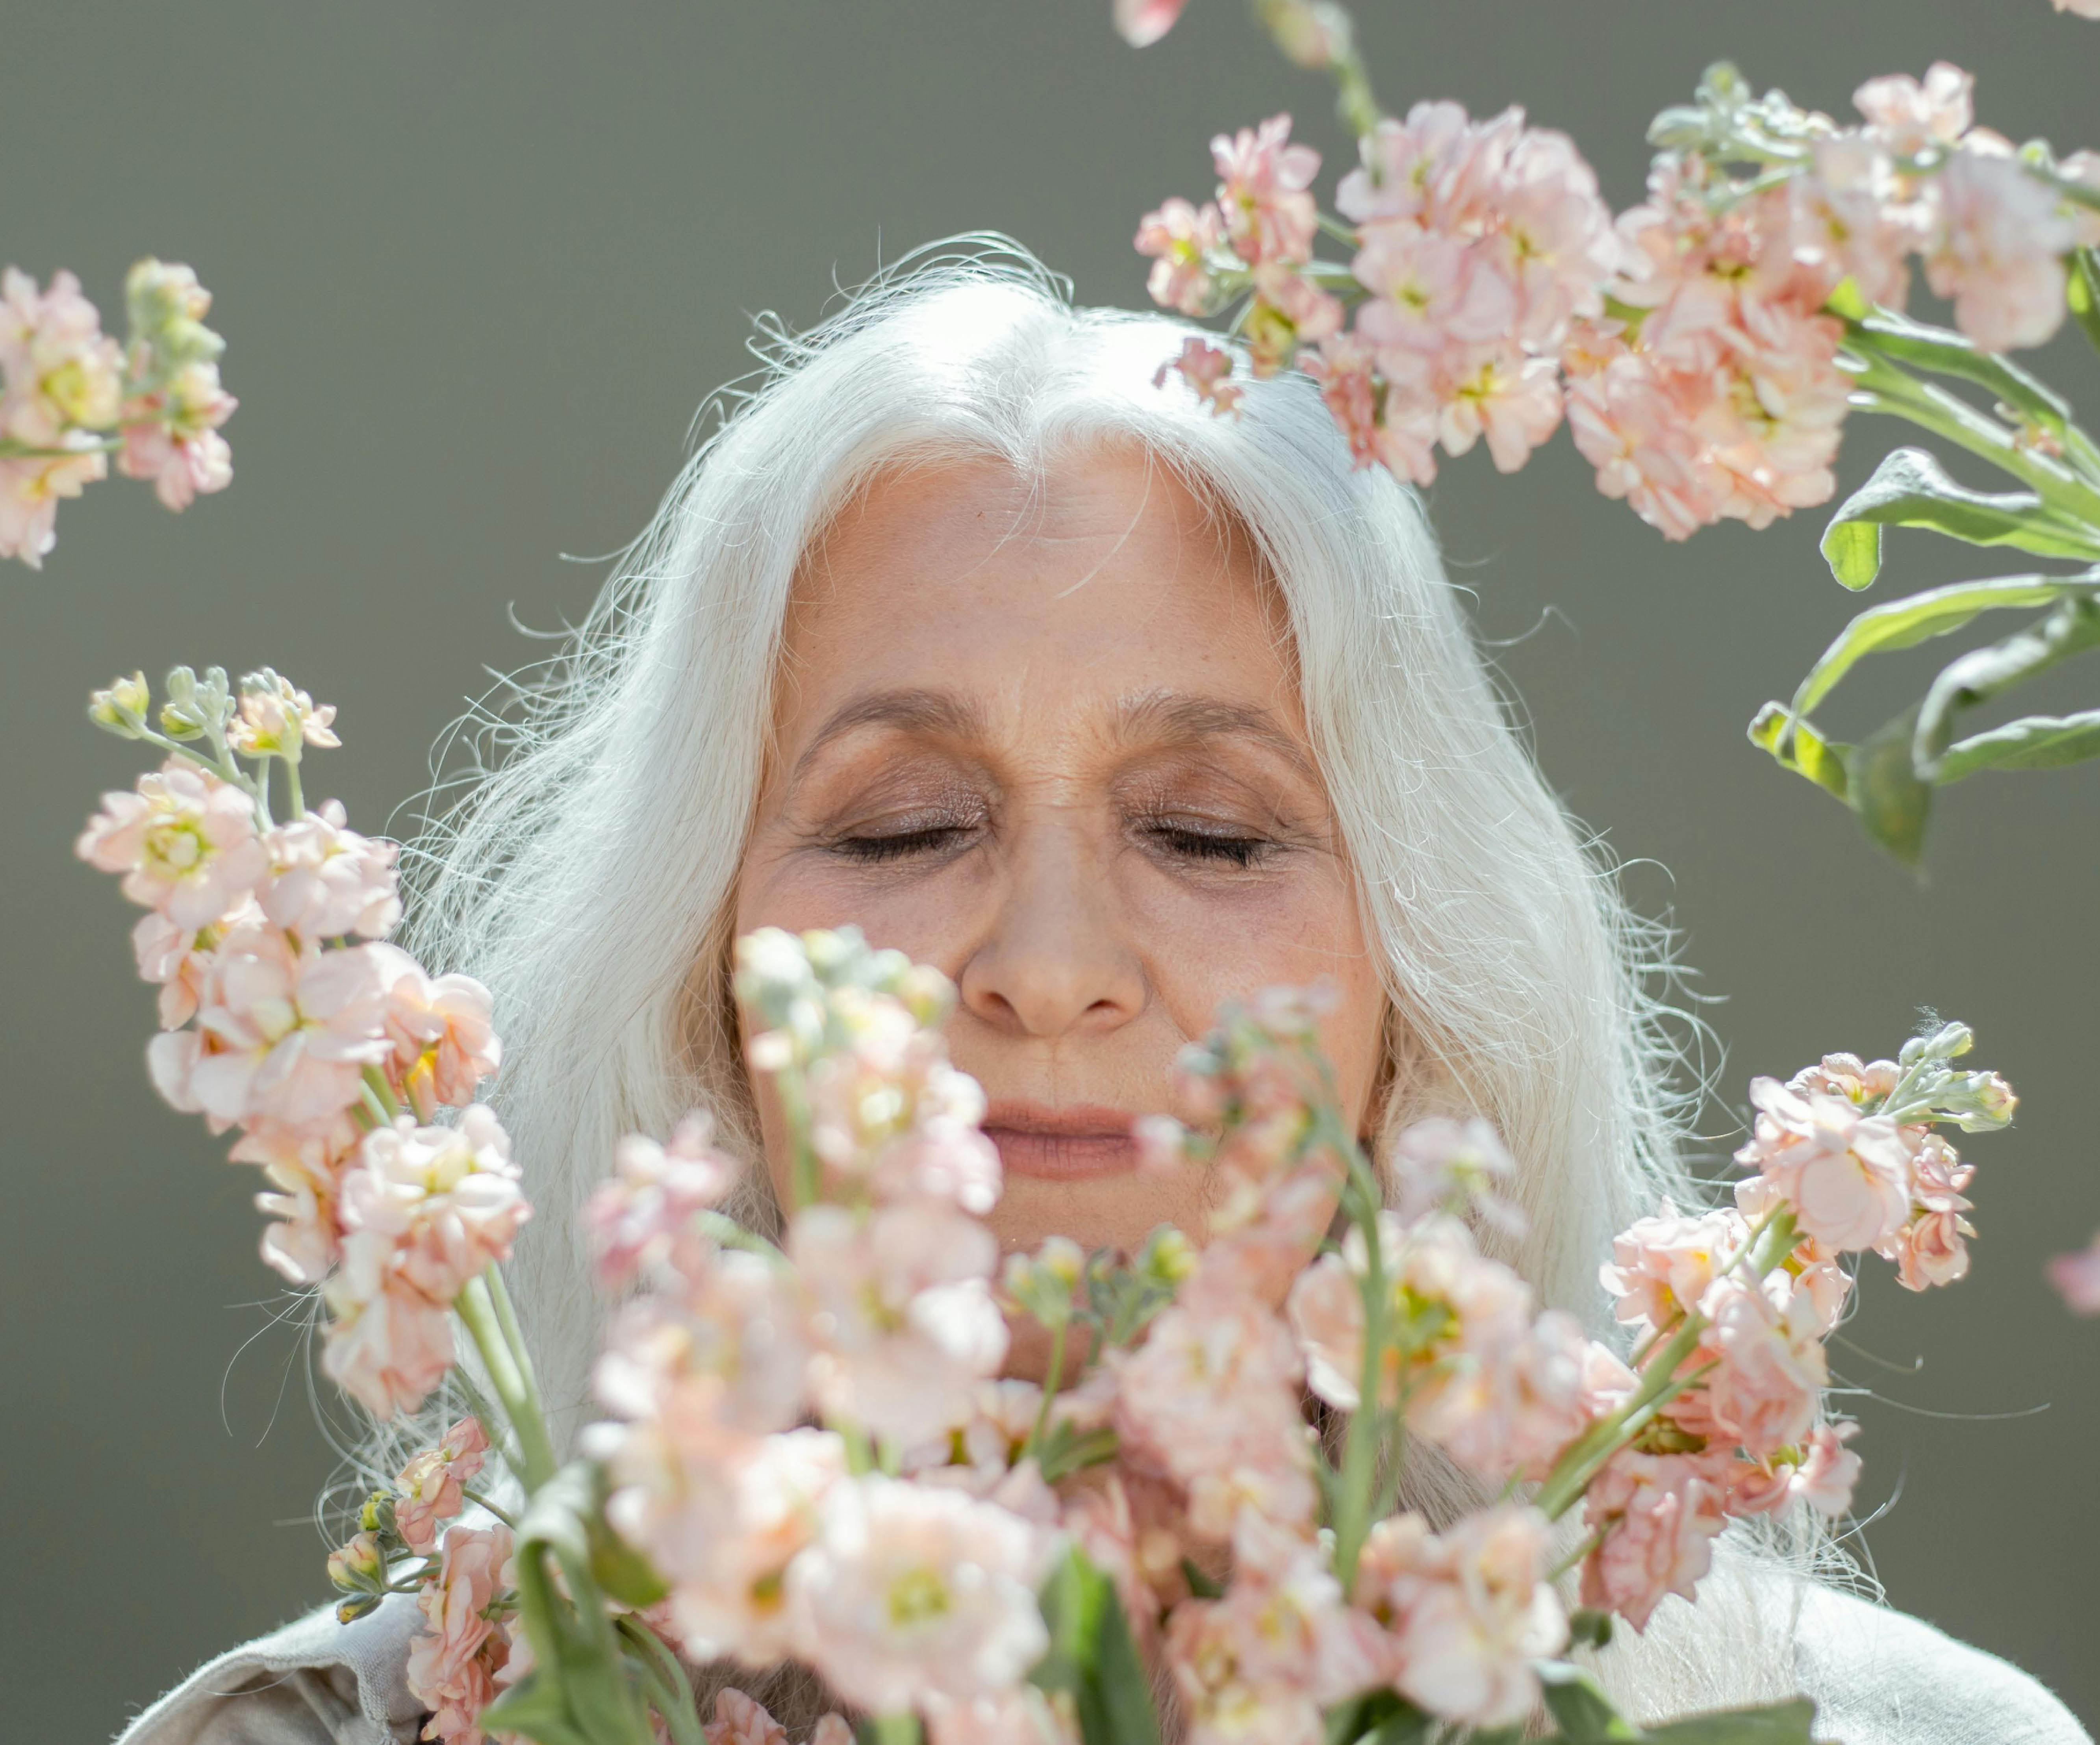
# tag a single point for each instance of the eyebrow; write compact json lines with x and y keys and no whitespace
{"x":1153,"y":716}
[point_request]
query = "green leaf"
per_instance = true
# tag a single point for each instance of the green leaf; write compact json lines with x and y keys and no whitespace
{"x":2035,"y":742}
{"x":1886,"y":794}
{"x":1798,"y":747}
{"x":1588,"y":1628}
{"x":1948,"y":353}
{"x":1982,"y":674}
{"x":1405,"y":1725}
{"x":1910,"y":488}
{"x":1579,"y":1709}
{"x":534,"y":1707}
{"x":2084,"y":293}
{"x":1782,"y":1724}
{"x":1919,"y":618}
{"x":1092,"y":1658}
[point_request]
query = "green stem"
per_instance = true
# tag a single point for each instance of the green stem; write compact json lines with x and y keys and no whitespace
{"x":12,"y":450}
{"x":808,"y":1174}
{"x":1884,"y":387}
{"x":380,"y":1092}
{"x":1052,"y":1379}
{"x":484,"y":1501}
{"x":477,"y":1311}
{"x":1353,"y":1504}
{"x":672,"y":1690}
{"x":293,"y":794}
{"x":894,"y":1730}
{"x":1589,"y":1543}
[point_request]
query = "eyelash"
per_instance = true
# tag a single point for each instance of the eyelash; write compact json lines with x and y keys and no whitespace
{"x":1241,"y":852}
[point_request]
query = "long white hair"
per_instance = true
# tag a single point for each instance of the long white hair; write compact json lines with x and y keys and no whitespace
{"x":588,"y":876}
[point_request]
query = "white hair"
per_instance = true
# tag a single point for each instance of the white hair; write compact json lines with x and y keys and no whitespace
{"x":588,"y":877}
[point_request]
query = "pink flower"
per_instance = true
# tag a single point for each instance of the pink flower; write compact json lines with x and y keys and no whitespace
{"x":30,"y":494}
{"x":428,"y":1489}
{"x":304,"y":1167}
{"x":1419,"y":161}
{"x":1225,"y":1702}
{"x":903,"y":1319}
{"x":1287,"y":312}
{"x":1207,"y":370}
{"x":326,"y":880}
{"x":724,"y":1533}
{"x":910,"y":1593}
{"x":1430,"y":290}
{"x":1262,"y":179}
{"x":1828,"y":1470}
{"x":1930,"y":1249}
{"x":58,"y":373}
{"x":1212,"y":1398}
{"x":738,"y":1720}
{"x":1771,"y":1369}
{"x":641,"y":1218}
{"x":718,"y":1360}
{"x":171,"y":436}
{"x":275,"y":719}
{"x":1180,"y":238}
{"x":1905,"y":117}
{"x":424,"y":1210}
{"x":1469,"y":1611}
{"x":1660,"y":1516}
{"x":1846,"y":1075}
{"x":1555,"y":243}
{"x":1440,"y":1164}
{"x":1847,"y":1176}
{"x":1848,"y":217}
{"x":282,"y":1034}
{"x":184,"y":841}
{"x":1661,"y":1266}
{"x":2083,"y":167}
{"x":2077,"y":1278}
{"x":1512,"y":399}
{"x":439,"y":1028}
{"x":179,"y":958}
{"x":1627,"y":425}
{"x":453,"y":1663}
{"x":1144,"y":22}
{"x":1343,"y":364}
{"x":1996,"y":253}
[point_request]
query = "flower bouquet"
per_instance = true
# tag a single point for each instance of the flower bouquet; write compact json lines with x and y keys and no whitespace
{"x":811,"y":1454}
{"x":1705,"y":348}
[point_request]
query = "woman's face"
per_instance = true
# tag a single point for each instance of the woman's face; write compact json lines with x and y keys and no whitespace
{"x":1053,"y":746}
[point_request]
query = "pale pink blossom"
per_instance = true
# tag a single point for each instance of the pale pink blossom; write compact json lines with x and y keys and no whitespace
{"x":901,"y":1313}
{"x":178,"y":958}
{"x":304,"y":1167}
{"x":1845,"y":219}
{"x":282,"y":1034}
{"x":641,"y":1218}
{"x":1763,"y":1393}
{"x":1906,"y":117}
{"x":910,"y":1593}
{"x":184,"y":841}
{"x":1661,"y":1266}
{"x":1553,"y":241}
{"x":1262,"y":183}
{"x":1224,"y":1701}
{"x":57,"y":372}
{"x":424,"y":1210}
{"x":452,"y":1663}
{"x":1207,"y":370}
{"x":1343,"y":365}
{"x":325,"y":879}
{"x":1847,"y":1176}
{"x":1469,"y":1611}
{"x":1931,"y":1249}
{"x":1859,"y":1082}
{"x":1212,"y":1397}
{"x":439,"y":1028}
{"x":738,"y":1720}
{"x":719,"y":1358}
{"x":1021,"y":1716}
{"x":1440,"y":1165}
{"x":275,"y":719}
{"x":1661,"y":1516}
{"x":30,"y":492}
{"x":1429,"y":292}
{"x":1419,"y":161}
{"x":1144,"y":22}
{"x":2077,"y":1278}
{"x":1501,"y":393}
{"x":171,"y":436}
{"x":1776,"y":427}
{"x":725,"y":1531}
{"x":1828,"y":1471}
{"x":1997,"y":252}
{"x":1625,"y":424}
{"x":1288,"y":310}
{"x":428,"y":1490}
{"x":1182,"y":238}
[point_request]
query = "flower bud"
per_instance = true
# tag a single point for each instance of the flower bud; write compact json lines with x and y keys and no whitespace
{"x":355,"y":1607}
{"x":1168,"y":1257}
{"x":359,"y":1566}
{"x":121,"y":708}
{"x":377,"y":1517}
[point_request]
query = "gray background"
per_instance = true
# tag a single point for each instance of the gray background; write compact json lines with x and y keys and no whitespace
{"x":477,"y":265}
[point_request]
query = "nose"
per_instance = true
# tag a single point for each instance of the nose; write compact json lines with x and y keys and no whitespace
{"x":1054,"y":958}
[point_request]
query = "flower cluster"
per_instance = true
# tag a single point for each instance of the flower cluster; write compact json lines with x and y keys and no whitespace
{"x":286,"y":1016}
{"x":1698,"y":344}
{"x":70,"y":396}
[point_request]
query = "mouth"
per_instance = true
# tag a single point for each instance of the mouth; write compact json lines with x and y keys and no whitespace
{"x":1074,"y":1144}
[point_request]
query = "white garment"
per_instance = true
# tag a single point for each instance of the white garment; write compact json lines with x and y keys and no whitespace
{"x":1878,"y":1677}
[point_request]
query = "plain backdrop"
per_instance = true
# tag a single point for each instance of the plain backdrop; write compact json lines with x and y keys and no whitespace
{"x":477,"y":265}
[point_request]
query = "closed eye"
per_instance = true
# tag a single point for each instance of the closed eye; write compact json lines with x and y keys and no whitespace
{"x":899,"y":844}
{"x":1219,"y":846}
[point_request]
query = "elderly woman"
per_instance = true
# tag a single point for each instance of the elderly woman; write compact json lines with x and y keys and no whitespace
{"x":961,"y":629}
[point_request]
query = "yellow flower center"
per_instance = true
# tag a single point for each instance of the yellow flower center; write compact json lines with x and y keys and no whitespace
{"x":918,"y":1596}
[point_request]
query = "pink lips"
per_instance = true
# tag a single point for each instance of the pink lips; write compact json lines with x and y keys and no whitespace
{"x":1073,"y":1144}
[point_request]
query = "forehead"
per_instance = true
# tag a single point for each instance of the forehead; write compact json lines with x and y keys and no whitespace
{"x":1103,"y":578}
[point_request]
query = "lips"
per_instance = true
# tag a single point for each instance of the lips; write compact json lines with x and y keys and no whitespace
{"x":1075,"y":1142}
